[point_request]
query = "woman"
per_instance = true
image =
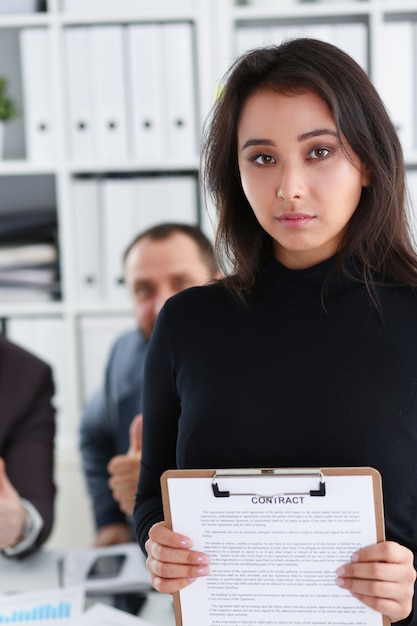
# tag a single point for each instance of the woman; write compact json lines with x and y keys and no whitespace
{"x":304,"y":355}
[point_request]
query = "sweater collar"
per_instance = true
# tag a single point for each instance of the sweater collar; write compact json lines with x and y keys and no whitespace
{"x":310,"y":283}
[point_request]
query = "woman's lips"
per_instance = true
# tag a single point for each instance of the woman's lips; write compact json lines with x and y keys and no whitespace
{"x":294,"y":220}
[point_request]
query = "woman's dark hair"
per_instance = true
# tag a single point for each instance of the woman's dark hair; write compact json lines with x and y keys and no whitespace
{"x":378,"y":237}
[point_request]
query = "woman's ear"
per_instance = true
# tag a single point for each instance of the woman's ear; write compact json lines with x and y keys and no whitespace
{"x":366,"y":175}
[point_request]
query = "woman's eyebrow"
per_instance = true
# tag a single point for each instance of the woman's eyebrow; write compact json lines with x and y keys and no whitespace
{"x":258,"y":142}
{"x":318,"y":132}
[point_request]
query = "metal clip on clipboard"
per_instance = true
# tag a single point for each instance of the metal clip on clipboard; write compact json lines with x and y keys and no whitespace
{"x":321,"y":491}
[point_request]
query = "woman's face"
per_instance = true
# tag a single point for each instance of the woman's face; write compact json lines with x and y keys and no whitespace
{"x":302,"y":185}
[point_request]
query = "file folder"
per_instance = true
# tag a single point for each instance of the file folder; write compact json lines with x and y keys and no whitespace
{"x":87,"y":239}
{"x":109,"y":91}
{"x":146,"y":81}
{"x":275,"y":537}
{"x":38,"y":97}
{"x":179,"y":96}
{"x":79,"y":92}
{"x":118,"y":229}
{"x":165,"y":199}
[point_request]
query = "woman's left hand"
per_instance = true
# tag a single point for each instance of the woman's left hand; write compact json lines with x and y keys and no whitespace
{"x":382,"y":576}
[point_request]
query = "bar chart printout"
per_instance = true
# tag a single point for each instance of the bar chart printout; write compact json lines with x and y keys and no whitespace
{"x":57,"y":607}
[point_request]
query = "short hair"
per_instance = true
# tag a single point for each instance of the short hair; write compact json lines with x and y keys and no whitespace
{"x":165,"y":230}
{"x":378,"y":237}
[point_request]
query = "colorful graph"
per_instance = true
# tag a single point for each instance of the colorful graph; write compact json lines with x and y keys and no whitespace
{"x":62,"y":610}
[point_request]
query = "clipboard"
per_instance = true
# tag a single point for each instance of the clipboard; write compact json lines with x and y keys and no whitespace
{"x":309,"y":514}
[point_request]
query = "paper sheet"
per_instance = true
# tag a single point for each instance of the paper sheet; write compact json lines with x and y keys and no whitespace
{"x":273,"y":558}
{"x":54,"y":607}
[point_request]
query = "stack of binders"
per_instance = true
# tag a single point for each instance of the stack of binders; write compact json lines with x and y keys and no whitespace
{"x":28,"y":256}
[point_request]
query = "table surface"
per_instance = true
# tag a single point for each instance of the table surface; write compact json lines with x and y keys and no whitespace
{"x":41,"y":571}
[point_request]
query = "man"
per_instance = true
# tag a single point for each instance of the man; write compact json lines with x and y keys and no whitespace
{"x":159,"y":263}
{"x":27,"y":431}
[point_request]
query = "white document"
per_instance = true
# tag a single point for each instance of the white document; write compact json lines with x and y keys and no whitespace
{"x":38,"y":98}
{"x":398,"y":78}
{"x":87,"y":239}
{"x":179,"y":95}
{"x":79,"y":97}
{"x":103,"y":615}
{"x":54,"y":607}
{"x":96,"y":337}
{"x":274,"y":548}
{"x":146,"y":80}
{"x":133,"y":575}
{"x":109,"y":91}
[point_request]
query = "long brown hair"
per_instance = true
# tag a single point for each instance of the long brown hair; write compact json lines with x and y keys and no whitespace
{"x":378,"y":238}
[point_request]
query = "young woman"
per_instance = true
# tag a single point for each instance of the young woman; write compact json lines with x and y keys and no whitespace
{"x":306,"y":353}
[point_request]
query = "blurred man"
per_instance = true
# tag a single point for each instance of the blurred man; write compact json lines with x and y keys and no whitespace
{"x":158,"y":264}
{"x":27,"y":430}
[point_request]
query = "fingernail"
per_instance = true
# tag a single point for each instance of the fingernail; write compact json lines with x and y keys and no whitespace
{"x":186,"y":543}
{"x":340,"y":571}
{"x":203,"y":571}
{"x":203,"y":559}
{"x":340,"y":582}
{"x":355,"y":557}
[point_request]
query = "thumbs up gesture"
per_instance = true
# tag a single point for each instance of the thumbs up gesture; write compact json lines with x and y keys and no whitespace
{"x":12,"y":512}
{"x":124,"y":469}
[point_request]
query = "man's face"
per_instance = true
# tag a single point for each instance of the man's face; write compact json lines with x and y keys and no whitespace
{"x":158,"y":269}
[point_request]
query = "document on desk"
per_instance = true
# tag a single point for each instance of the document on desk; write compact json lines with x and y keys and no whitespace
{"x":275,"y":538}
{"x":53,"y":607}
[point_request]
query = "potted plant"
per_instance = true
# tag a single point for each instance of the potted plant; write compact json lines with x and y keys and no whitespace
{"x":8,"y":110}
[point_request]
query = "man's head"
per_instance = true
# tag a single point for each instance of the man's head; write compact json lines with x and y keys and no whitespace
{"x":162,"y":261}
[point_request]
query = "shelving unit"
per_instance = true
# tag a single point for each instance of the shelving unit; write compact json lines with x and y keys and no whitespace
{"x":220,"y":30}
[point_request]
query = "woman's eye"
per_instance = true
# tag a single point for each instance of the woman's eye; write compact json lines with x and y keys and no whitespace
{"x":319,"y":153}
{"x":264,"y":159}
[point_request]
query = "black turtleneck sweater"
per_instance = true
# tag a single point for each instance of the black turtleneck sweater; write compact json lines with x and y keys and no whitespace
{"x":285,"y":382}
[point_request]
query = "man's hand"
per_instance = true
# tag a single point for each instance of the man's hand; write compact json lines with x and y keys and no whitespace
{"x":124,"y":469}
{"x":12,"y":512}
{"x":111,"y":534}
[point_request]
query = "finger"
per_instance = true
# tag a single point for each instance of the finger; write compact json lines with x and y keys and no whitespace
{"x":176,"y":566}
{"x":160,"y":533}
{"x":135,"y":435}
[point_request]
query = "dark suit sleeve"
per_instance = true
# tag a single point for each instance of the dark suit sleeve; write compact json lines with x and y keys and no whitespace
{"x":27,"y":429}
{"x":97,"y":447}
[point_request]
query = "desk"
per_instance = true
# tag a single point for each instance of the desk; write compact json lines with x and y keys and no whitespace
{"x":42,"y":571}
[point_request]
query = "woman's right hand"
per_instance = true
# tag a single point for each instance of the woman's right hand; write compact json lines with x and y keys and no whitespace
{"x":171,"y":562}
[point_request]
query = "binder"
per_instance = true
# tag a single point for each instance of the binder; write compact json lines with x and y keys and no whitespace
{"x":87,"y":239}
{"x":38,"y":97}
{"x":397,"y":86}
{"x":275,"y":537}
{"x":146,"y":79}
{"x":179,"y":95}
{"x":118,"y":229}
{"x":165,"y":199}
{"x":109,"y":91}
{"x":79,"y":92}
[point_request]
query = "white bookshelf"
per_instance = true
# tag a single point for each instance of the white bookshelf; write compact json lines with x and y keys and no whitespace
{"x":220,"y":29}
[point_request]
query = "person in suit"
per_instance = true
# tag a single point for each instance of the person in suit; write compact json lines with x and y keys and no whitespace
{"x":27,"y":431}
{"x":158,"y":263}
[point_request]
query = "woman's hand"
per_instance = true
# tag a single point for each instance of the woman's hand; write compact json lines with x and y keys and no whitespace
{"x":171,"y":562}
{"x":382,"y":576}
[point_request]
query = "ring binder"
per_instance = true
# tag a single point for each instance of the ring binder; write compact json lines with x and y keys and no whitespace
{"x":320,"y":492}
